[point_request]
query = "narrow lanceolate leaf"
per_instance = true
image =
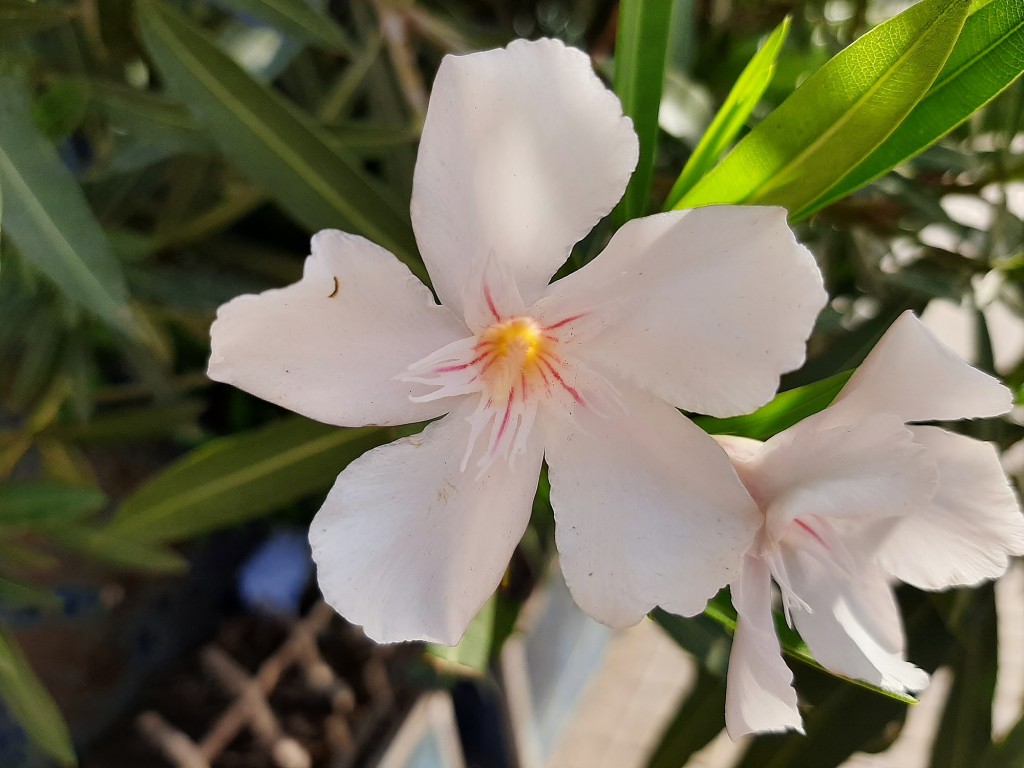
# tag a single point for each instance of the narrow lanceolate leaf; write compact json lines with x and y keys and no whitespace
{"x":781,"y":413}
{"x":48,"y":219}
{"x":34,"y":505}
{"x":120,"y":550}
{"x":268,"y":139}
{"x":699,"y":719}
{"x":297,"y":19}
{"x":473,"y":653}
{"x":1009,"y":751}
{"x":152,"y":117}
{"x":238,"y":478}
{"x":22,"y":17}
{"x":30,"y":703}
{"x":730,"y":119}
{"x":640,"y":49}
{"x":16,"y":594}
{"x":966,"y":727}
{"x":839,"y":115}
{"x":987,"y":58}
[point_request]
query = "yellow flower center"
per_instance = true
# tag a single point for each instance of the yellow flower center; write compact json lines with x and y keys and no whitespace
{"x":519,"y":336}
{"x":512,"y":355}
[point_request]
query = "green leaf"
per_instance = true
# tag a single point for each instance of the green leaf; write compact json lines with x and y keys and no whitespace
{"x":699,"y":719}
{"x":61,"y":108}
{"x":268,"y":139}
{"x":640,"y":49}
{"x":473,"y":653}
{"x":18,"y":18}
{"x":297,"y":19}
{"x":1009,"y":751}
{"x":30,"y":703}
{"x":781,"y":413}
{"x":17,"y":594}
{"x":701,"y":636}
{"x":131,"y":424}
{"x":237,"y":478}
{"x":731,"y":118}
{"x":48,"y":218}
{"x":966,"y":727}
{"x":839,"y":115}
{"x":845,"y":720}
{"x":987,"y":58}
{"x":150,"y":118}
{"x":32,"y":505}
{"x":119,"y":549}
{"x":708,"y":638}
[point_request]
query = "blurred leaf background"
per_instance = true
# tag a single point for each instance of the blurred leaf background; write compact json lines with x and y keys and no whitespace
{"x":159,"y":157}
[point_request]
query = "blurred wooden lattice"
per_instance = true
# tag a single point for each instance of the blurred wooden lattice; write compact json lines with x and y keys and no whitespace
{"x":356,"y":708}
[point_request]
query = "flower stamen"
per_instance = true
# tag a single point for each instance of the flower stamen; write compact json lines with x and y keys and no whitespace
{"x":515,"y":363}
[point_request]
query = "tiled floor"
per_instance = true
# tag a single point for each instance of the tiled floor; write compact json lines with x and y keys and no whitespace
{"x":643,"y":675}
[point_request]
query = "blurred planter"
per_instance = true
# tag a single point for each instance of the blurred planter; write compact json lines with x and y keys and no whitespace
{"x":546,"y":667}
{"x":114,"y":631}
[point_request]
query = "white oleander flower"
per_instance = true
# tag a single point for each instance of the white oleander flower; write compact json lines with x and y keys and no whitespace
{"x":523,"y":152}
{"x":853,"y":498}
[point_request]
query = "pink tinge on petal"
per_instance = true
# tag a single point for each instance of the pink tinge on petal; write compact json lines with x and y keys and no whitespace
{"x":870,"y":470}
{"x":519,"y":362}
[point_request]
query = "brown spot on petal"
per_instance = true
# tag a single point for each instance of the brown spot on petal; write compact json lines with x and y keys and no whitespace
{"x":337,"y":287}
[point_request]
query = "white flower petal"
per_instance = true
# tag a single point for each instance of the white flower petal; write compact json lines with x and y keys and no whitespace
{"x":739,"y":449}
{"x":759,"y":694}
{"x":409,"y":546}
{"x":911,"y":374}
{"x":854,"y":627}
{"x":648,"y":510}
{"x":972,"y":525}
{"x":329,"y":346}
{"x":871,"y":470}
{"x":706,"y":308}
{"x":523,"y":152}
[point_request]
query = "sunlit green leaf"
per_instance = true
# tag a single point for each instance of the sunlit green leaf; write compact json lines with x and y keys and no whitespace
{"x":473,"y":653}
{"x":730,"y":119}
{"x":268,"y":139}
{"x":47,"y":217}
{"x":708,"y":637}
{"x":640,"y":50}
{"x":30,"y":703}
{"x":987,"y":58}
{"x":238,"y":478}
{"x":839,"y":115}
{"x":781,"y":413}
